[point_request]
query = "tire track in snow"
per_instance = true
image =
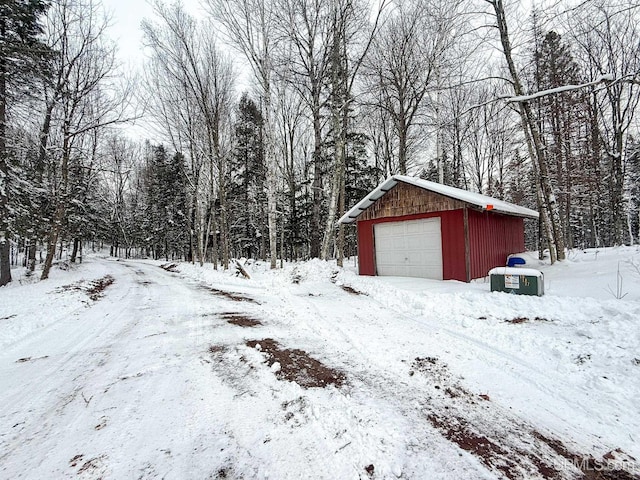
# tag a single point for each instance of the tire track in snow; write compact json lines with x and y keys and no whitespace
{"x":82,"y":346}
{"x":505,"y":443}
{"x":369,"y":400}
{"x":547,"y":382}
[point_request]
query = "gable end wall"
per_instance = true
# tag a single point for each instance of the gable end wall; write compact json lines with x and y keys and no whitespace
{"x":404,"y":199}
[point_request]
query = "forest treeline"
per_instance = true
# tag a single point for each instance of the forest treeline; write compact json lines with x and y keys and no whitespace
{"x":273,"y":117}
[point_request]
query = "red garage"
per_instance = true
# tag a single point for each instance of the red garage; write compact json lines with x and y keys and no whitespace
{"x":415,"y":228}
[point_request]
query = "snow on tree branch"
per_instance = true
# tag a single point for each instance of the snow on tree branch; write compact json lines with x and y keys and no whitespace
{"x":606,"y":78}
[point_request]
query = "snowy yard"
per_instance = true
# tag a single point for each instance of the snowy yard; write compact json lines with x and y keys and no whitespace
{"x":120,"y":369}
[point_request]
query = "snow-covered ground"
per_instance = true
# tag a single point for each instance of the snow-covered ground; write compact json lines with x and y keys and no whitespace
{"x":120,"y":369}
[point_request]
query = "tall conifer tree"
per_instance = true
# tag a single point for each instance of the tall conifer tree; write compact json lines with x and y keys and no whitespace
{"x":21,"y":52}
{"x":247,"y":196}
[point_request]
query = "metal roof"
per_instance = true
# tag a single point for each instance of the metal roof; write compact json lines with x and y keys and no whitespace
{"x":476,"y":199}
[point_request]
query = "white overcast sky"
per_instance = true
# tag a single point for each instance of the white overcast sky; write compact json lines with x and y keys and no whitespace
{"x":126,"y":16}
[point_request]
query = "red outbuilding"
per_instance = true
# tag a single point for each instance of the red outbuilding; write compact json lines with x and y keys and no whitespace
{"x":415,"y":228}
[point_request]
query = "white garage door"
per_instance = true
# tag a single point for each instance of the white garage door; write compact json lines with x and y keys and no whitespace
{"x":409,"y":249}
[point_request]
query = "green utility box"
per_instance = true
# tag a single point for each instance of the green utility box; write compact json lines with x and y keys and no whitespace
{"x":521,"y":281}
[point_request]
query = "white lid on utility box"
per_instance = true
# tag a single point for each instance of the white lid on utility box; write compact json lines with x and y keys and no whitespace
{"x":528,"y":272}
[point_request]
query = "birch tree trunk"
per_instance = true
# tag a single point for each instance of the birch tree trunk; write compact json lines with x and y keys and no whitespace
{"x":339,"y":106}
{"x":344,"y":72}
{"x":305,"y":24}
{"x":271,"y":177}
{"x":5,"y":265}
{"x":60,"y":199}
{"x":249,"y":25}
{"x":532,"y":135}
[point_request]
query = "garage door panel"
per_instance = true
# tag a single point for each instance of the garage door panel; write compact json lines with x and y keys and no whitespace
{"x":393,"y":258}
{"x":424,"y":242}
{"x":412,"y":248}
{"x":415,"y":227}
{"x":386,"y":244}
{"x":424,"y":258}
{"x":414,"y":272}
{"x":392,"y":228}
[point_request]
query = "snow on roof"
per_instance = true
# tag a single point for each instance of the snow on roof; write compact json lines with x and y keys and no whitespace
{"x":482,"y":201}
{"x":529,"y":272}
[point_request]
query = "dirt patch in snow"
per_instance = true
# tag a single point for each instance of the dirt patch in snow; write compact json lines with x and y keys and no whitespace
{"x":517,"y":320}
{"x":438,"y":373}
{"x":503,"y":455}
{"x":501,"y":441}
{"x":424,"y":363}
{"x":545,"y":458}
{"x":94,"y":289}
{"x":216,"y":349}
{"x":240,"y":320}
{"x":30,"y":359}
{"x":615,"y":465}
{"x":296,"y":365}
{"x":225,"y":473}
{"x":346,"y":288}
{"x":351,"y":290}
{"x":170,"y":267}
{"x":582,"y":358}
{"x":458,"y":431}
{"x":97,"y":287}
{"x":93,"y":466}
{"x":447,"y":412}
{"x":236,"y":297}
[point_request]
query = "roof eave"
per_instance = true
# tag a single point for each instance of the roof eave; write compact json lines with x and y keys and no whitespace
{"x":352,"y":215}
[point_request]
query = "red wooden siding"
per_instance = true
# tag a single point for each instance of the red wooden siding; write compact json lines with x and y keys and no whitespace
{"x":492,"y":238}
{"x":366,"y":252}
{"x":453,"y":245}
{"x":452,"y":228}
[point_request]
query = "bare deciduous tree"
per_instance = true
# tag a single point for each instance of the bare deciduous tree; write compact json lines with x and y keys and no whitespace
{"x":250,"y":25}
{"x":607,"y":34}
{"x":533,"y":139}
{"x":192,"y":80}
{"x":407,"y":61}
{"x":305,"y":26}
{"x":83,"y":99}
{"x":352,"y":36}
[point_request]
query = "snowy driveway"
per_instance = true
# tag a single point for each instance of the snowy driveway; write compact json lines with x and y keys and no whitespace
{"x":155,"y":377}
{"x":111,"y":388}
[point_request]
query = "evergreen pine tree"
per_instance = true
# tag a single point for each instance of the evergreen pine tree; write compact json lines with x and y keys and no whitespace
{"x":633,"y":191}
{"x":164,"y":224}
{"x":21,"y":54}
{"x":559,"y":117}
{"x":247,"y":200}
{"x":177,"y":231}
{"x":360,"y":179}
